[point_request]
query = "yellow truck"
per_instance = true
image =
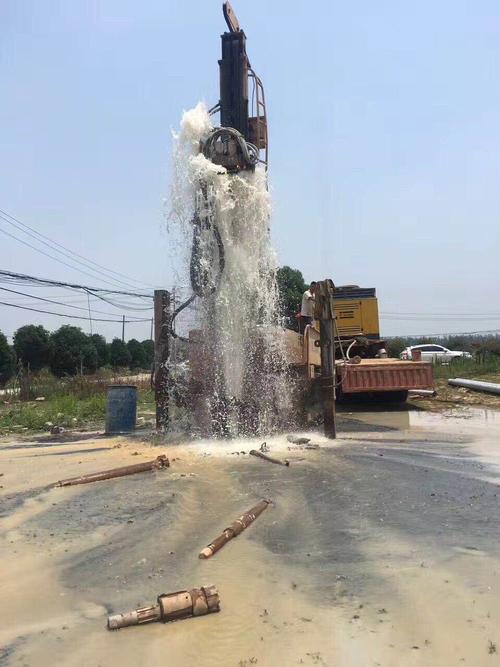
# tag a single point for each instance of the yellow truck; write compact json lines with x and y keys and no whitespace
{"x":362,"y":366}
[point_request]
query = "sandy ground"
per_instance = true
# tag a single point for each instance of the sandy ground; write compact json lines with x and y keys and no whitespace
{"x":380,"y":549}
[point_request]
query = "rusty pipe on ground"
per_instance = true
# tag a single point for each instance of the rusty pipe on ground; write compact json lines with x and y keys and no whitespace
{"x":234,"y":529}
{"x":171,"y":607}
{"x":255,"y":452}
{"x":159,"y":462}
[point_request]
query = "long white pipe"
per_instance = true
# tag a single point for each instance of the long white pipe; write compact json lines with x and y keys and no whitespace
{"x":477,"y":385}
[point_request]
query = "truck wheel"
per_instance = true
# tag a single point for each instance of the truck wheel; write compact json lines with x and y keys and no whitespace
{"x":393,"y":396}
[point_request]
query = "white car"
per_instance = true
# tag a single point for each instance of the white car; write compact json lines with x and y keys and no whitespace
{"x":435,"y":353}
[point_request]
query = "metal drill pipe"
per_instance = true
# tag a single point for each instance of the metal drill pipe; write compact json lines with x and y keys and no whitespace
{"x":476,"y":385}
{"x":159,"y":462}
{"x":255,"y":452}
{"x":171,"y":607}
{"x":234,"y":529}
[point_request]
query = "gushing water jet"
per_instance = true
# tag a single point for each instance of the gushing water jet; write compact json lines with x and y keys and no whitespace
{"x":237,"y":364}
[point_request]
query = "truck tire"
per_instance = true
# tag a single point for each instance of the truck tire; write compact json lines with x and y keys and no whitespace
{"x":380,"y":397}
{"x":392,"y":396}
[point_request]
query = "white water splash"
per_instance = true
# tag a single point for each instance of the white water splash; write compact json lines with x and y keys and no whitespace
{"x":244,"y":367}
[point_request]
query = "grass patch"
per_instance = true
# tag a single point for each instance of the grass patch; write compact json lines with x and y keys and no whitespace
{"x":469,"y":368}
{"x":69,"y":411}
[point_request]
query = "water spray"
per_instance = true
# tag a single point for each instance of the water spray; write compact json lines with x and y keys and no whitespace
{"x":229,"y":146}
{"x":221,"y":182}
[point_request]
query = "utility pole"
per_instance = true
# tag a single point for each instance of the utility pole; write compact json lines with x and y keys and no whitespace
{"x":324,"y":312}
{"x":162,"y":335}
{"x":123,"y":328}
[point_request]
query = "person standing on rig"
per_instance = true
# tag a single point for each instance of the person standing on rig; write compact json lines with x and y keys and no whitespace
{"x":307,"y":307}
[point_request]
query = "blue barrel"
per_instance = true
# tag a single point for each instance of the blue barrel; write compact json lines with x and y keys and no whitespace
{"x":121,"y":408}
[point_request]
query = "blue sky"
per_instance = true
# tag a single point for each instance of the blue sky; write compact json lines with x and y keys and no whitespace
{"x":384,"y":131}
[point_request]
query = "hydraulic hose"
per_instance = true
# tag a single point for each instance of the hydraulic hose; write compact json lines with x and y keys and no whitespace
{"x":200,"y":279}
{"x":183,"y":305}
{"x":249,"y":151}
{"x":201,"y":282}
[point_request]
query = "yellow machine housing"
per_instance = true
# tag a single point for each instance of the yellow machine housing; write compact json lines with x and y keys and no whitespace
{"x":357,"y":317}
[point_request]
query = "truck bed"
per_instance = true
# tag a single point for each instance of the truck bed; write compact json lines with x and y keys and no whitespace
{"x":384,"y":375}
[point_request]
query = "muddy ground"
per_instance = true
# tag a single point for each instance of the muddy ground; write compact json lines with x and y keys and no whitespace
{"x":448,"y":396}
{"x":381,"y":548}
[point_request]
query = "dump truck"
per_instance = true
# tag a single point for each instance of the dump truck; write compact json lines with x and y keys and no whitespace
{"x":363,"y":369}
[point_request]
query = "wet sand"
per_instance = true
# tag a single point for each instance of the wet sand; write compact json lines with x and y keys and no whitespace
{"x":380,"y":549}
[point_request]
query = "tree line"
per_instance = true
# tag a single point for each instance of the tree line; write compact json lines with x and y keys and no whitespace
{"x":477,"y":344}
{"x":69,"y":351}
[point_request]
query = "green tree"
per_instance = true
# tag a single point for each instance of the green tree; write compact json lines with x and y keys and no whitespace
{"x":395,"y":346}
{"x":137,"y":354}
{"x":119,"y":356}
{"x":32,"y":346}
{"x":291,"y":287}
{"x":7,"y":360}
{"x":149,"y":352}
{"x":99,"y":342}
{"x":73,"y":352}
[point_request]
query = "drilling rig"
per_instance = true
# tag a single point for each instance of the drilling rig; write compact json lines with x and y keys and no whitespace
{"x":237,"y":146}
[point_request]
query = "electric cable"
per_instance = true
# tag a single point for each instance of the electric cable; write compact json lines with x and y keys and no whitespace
{"x":121,"y":306}
{"x":55,"y":259}
{"x":72,"y":317}
{"x":33,"y":233}
{"x":448,"y":333}
{"x":57,"y":303}
{"x":11,"y":276}
{"x":418,"y":318}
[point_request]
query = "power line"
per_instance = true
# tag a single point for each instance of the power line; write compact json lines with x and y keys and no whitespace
{"x":70,"y":297}
{"x":469,"y":314}
{"x":57,"y":303}
{"x":55,"y":259}
{"x":418,"y":318}
{"x":53,"y":245}
{"x":118,"y":304}
{"x":96,"y":292}
{"x":71,"y":302}
{"x":449,"y":333}
{"x":11,"y":276}
{"x":72,"y":317}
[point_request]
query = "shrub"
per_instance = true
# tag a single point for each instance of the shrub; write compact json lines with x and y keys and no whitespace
{"x":73,"y":352}
{"x":137,"y":354}
{"x":7,"y":360}
{"x":119,"y":355}
{"x":32,"y":346}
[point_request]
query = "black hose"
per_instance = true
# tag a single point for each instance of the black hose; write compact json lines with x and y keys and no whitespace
{"x":183,"y":305}
{"x":249,"y":152}
{"x":201,"y":281}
